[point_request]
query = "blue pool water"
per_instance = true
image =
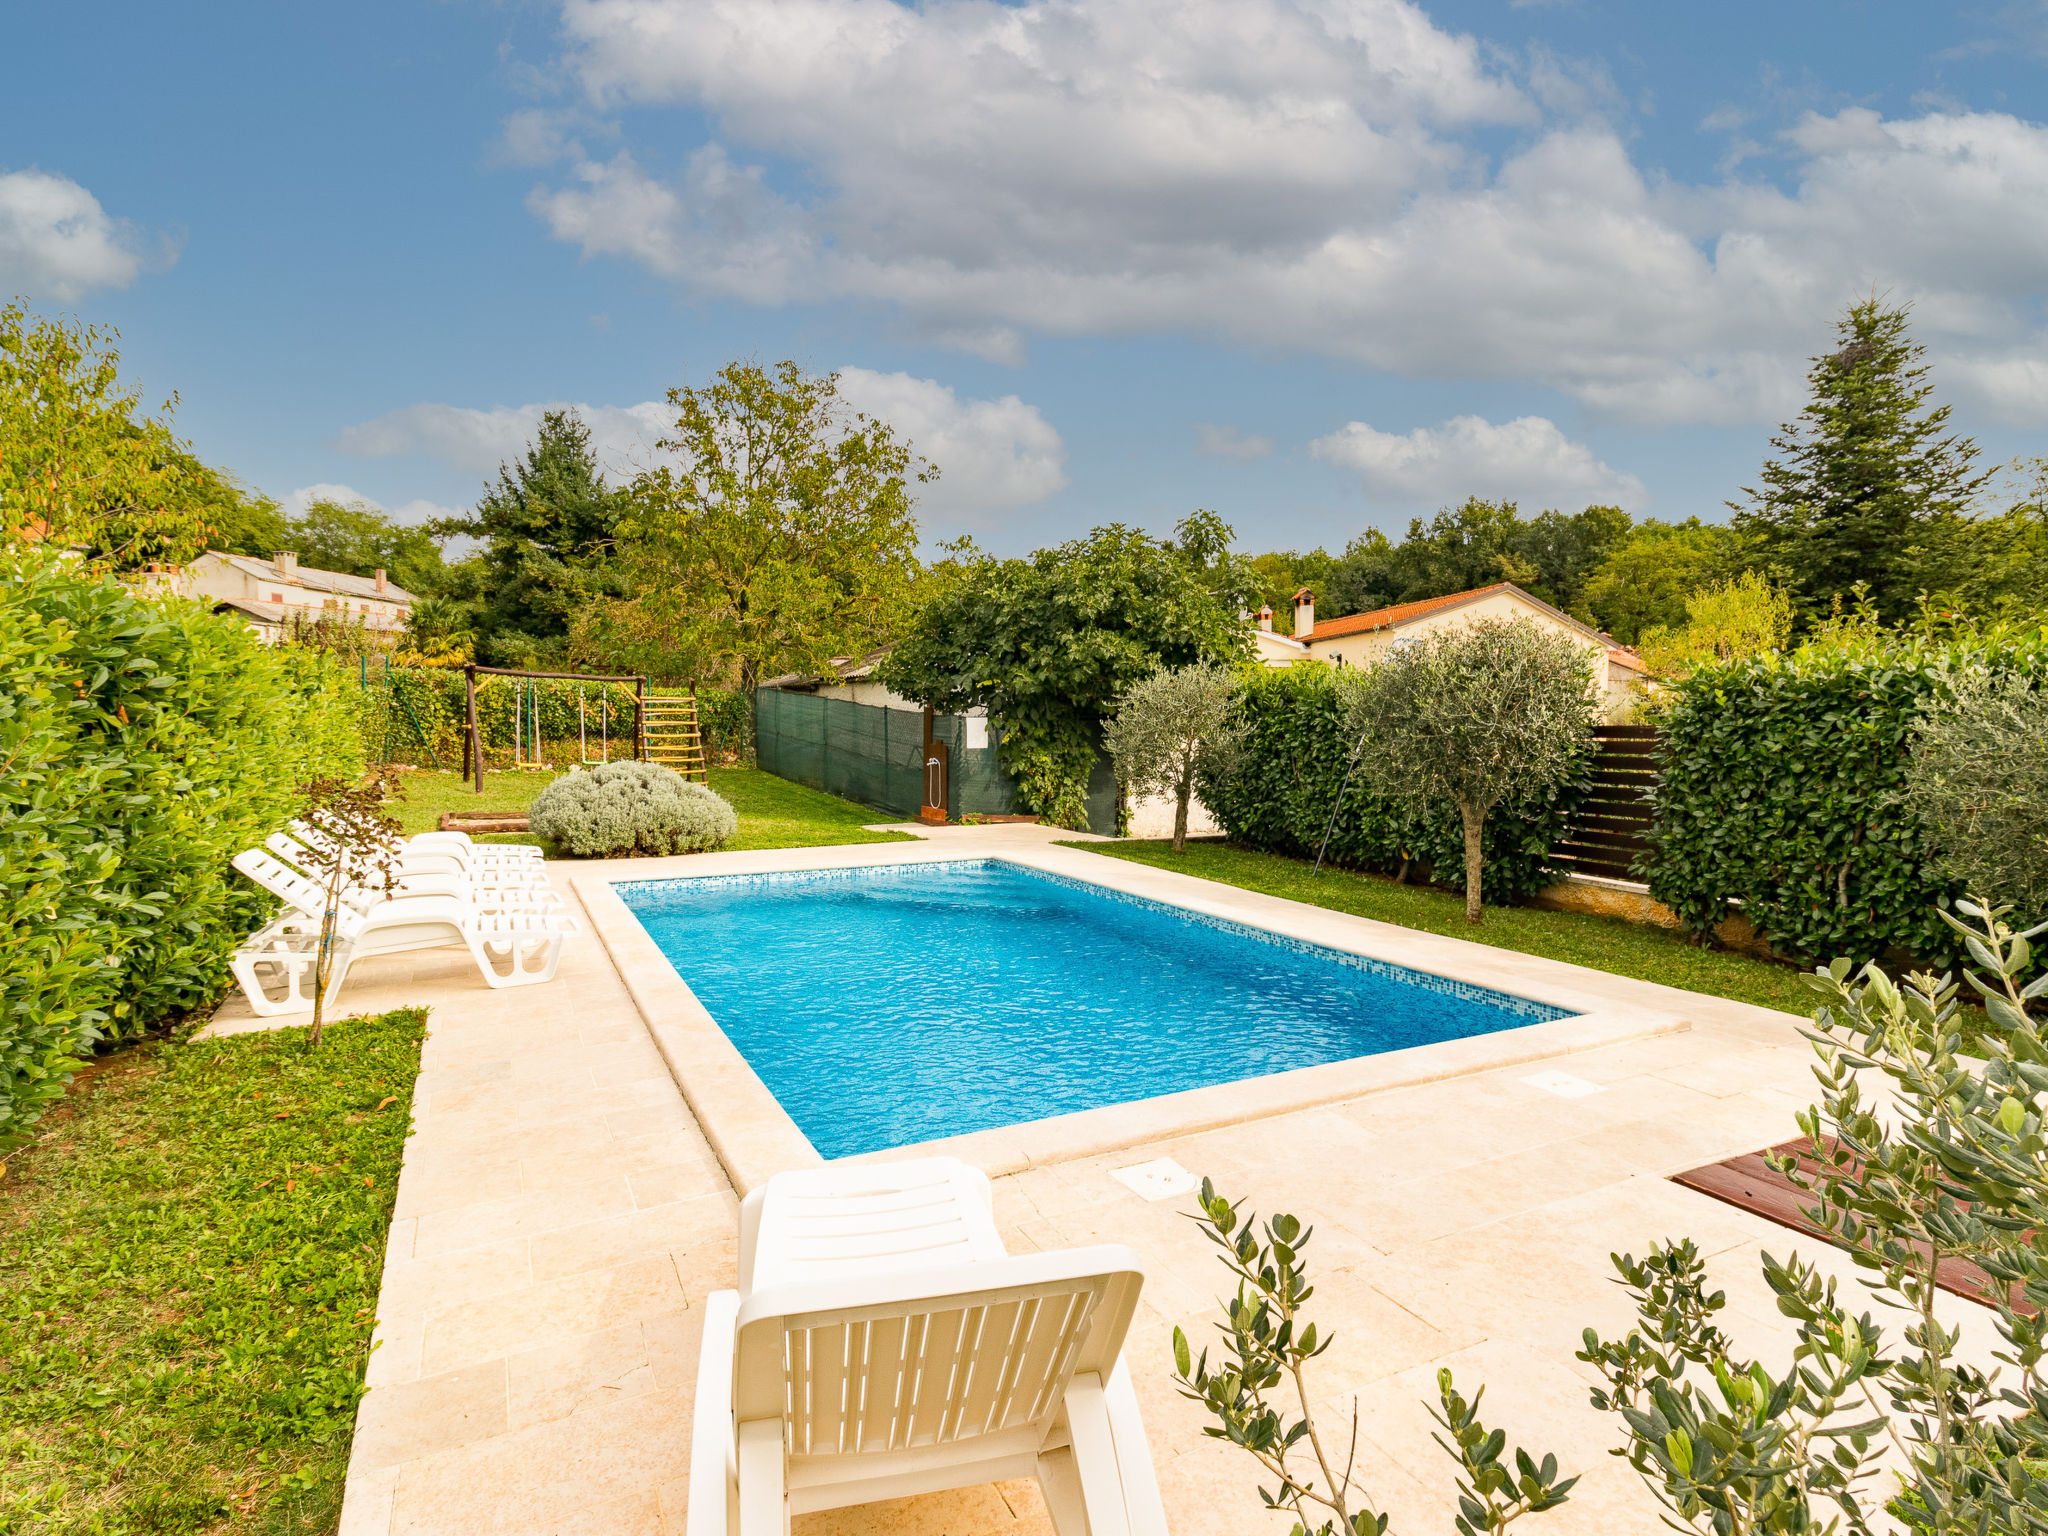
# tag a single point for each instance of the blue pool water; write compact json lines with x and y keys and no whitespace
{"x":895,"y":1005}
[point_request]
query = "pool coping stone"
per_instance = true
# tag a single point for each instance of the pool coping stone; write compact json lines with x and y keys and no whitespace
{"x":755,"y":1138}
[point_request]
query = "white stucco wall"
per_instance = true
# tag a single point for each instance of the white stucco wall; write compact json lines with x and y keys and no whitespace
{"x":1618,"y":683}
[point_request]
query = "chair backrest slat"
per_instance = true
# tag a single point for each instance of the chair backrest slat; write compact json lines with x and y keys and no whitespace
{"x":869,"y":1380}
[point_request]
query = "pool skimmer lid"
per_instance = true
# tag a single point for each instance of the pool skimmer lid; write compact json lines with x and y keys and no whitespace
{"x":1160,"y":1179}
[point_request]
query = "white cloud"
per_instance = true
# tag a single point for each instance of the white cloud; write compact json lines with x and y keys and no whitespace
{"x":623,"y":436}
{"x":1304,"y":174}
{"x":1224,"y":442}
{"x":57,"y":242}
{"x":417,"y":511}
{"x":992,"y":454}
{"x":1527,"y":460}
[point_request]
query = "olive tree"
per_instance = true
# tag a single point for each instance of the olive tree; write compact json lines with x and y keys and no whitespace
{"x":1494,"y":710}
{"x":1168,"y":726}
{"x":1980,"y":759}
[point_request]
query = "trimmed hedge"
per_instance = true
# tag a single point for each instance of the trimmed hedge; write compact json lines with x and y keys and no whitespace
{"x":1783,"y":789}
{"x":144,"y":746}
{"x":1279,"y":794}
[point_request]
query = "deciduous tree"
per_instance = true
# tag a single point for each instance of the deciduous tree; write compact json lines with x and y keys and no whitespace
{"x":1048,"y":643}
{"x":1475,"y":715}
{"x":1644,"y":580}
{"x":82,"y":467}
{"x":784,"y":534}
{"x":1725,"y":621}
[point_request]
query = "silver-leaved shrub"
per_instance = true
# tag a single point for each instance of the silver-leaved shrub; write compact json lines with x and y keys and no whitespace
{"x":631,"y":808}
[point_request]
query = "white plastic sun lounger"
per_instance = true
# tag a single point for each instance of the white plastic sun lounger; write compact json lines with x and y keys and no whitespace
{"x":885,"y":1345}
{"x":511,"y":946}
{"x":488,"y":890}
{"x":446,"y":859}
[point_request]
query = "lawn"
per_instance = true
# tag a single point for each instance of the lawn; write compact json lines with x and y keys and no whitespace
{"x":774,"y":813}
{"x":1598,"y":943}
{"x":190,"y":1252}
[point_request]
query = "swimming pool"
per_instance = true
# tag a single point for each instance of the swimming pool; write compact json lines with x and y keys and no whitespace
{"x":895,"y":1004}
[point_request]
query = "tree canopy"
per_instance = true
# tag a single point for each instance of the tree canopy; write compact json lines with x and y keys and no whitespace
{"x":358,"y":540}
{"x":1864,"y":472}
{"x":1049,"y":642}
{"x":547,"y":527}
{"x":1553,"y":555}
{"x":783,"y":535}
{"x":1167,"y":728}
{"x":82,"y":466}
{"x":1646,"y":578}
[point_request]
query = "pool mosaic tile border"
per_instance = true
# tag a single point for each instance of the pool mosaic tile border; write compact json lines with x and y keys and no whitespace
{"x":1465,"y":991}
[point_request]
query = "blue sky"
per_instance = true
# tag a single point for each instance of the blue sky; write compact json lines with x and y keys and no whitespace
{"x":1319,"y":264}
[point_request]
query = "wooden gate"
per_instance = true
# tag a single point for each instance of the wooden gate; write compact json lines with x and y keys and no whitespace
{"x":1613,"y":825}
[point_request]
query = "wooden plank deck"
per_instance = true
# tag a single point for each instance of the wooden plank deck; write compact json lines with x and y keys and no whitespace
{"x":1751,"y":1184}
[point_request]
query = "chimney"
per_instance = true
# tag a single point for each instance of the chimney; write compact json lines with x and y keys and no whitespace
{"x":1266,"y":617}
{"x":1304,"y":613}
{"x":286,"y":564}
{"x":381,"y":583}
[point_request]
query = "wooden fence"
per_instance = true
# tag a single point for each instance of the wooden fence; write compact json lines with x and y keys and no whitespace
{"x":1613,"y":826}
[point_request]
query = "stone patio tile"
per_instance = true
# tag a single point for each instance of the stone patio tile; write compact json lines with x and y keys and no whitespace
{"x":407,"y":1420}
{"x":455,"y":1336}
{"x":625,"y":1359}
{"x":494,"y":1221}
{"x":980,"y":1511}
{"x":1720,"y":1128}
{"x":366,"y":1511}
{"x":620,"y":1469}
{"x":678,"y":1228}
{"x":1421,"y":1209}
{"x":417,"y":1284}
{"x":395,"y":1349}
{"x":444,"y":1183}
{"x":1730,"y":1073}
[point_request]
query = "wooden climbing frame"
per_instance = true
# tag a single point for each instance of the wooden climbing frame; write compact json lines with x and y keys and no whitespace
{"x":669,"y":733}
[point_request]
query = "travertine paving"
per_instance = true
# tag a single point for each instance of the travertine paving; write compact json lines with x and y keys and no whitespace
{"x":560,"y":1218}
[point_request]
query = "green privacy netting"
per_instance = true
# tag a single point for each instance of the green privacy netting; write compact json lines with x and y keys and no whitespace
{"x":875,"y":756}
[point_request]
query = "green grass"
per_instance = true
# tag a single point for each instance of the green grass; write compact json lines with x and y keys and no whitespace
{"x":1598,"y":943}
{"x":774,"y":813}
{"x":189,"y":1259}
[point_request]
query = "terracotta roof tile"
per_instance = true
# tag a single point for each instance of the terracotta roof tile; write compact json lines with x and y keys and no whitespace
{"x":1400,"y":613}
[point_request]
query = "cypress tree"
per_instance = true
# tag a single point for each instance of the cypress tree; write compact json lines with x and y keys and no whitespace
{"x":1865,"y":471}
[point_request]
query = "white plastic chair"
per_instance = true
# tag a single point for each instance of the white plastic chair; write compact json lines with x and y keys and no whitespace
{"x":885,"y":1345}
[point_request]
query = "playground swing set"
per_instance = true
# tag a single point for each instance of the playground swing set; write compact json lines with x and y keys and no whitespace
{"x":664,"y":731}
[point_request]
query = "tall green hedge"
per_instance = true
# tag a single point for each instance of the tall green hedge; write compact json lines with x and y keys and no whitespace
{"x":143,"y":746}
{"x":1296,"y":749}
{"x":1783,"y":790}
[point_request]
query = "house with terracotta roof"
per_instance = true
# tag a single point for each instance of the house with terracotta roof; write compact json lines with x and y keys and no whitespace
{"x":1360,"y":639}
{"x":1274,"y":649}
{"x":266,"y":593}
